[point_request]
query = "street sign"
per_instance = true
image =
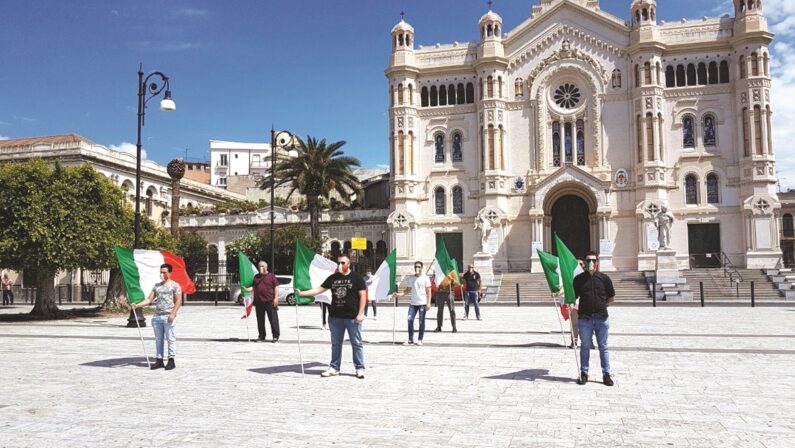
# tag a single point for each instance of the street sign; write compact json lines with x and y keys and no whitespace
{"x":359,"y":243}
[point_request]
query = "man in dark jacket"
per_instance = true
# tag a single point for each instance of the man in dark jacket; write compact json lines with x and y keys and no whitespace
{"x":595,"y":291}
{"x":266,"y":301}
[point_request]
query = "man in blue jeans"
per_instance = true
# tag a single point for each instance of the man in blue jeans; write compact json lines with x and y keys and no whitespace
{"x":595,"y":291}
{"x":346,"y":313}
{"x":419,"y":286}
{"x":472,"y":291}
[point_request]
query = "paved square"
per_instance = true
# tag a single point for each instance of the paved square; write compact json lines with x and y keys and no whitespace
{"x":722,"y":377}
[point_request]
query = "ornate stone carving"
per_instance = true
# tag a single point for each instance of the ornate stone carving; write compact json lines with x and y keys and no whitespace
{"x":564,"y":53}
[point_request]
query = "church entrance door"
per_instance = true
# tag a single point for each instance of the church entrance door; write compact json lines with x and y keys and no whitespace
{"x":570,"y":223}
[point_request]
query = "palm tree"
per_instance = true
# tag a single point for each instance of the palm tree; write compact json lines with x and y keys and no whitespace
{"x":317,"y":170}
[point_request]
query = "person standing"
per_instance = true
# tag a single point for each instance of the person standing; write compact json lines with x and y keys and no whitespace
{"x":167,"y":297}
{"x":8,"y":295}
{"x":368,"y":280}
{"x":346,"y":313}
{"x":445,"y":296}
{"x":595,"y":292}
{"x":419,"y":286}
{"x":472,"y":291}
{"x":266,"y":301}
{"x":324,"y":314}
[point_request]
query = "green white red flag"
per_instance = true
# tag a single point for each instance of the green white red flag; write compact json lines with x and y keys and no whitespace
{"x":247,"y":273}
{"x":140,"y":270}
{"x":383,"y":282}
{"x":309,"y":271}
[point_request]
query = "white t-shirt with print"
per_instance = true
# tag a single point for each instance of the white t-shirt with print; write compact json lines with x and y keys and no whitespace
{"x":419,"y":288}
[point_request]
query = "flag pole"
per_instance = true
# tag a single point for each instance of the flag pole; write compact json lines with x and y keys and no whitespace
{"x":576,"y":346}
{"x":245,"y":310}
{"x":298,"y":332}
{"x":394,"y":317}
{"x":560,"y":321}
{"x":140,"y":335}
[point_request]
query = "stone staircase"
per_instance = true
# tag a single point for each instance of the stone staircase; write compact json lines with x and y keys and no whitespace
{"x":629,"y":286}
{"x":784,"y":281}
{"x":672,"y":290}
{"x":718,"y":287}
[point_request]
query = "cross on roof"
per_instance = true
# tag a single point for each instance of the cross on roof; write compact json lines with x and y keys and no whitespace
{"x":402,"y":14}
{"x":490,"y":3}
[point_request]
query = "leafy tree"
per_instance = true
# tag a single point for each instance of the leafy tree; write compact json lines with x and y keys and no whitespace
{"x":193,"y":249}
{"x":257,"y":247}
{"x":58,"y":218}
{"x":316,"y":171}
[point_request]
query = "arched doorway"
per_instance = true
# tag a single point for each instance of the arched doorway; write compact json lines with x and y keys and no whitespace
{"x":571,"y":223}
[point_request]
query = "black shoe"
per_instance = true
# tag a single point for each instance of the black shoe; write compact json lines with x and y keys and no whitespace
{"x":170,"y":365}
{"x":157,"y":365}
{"x":607,"y":380}
{"x":275,"y":340}
{"x":571,"y":345}
{"x":438,"y":330}
{"x":582,"y":379}
{"x":455,"y":331}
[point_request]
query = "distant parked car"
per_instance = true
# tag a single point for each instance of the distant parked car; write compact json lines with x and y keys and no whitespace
{"x":286,"y":294}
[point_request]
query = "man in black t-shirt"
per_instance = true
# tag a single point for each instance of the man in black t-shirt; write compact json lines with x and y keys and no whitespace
{"x":472,"y":291}
{"x":595,"y":291}
{"x":346,"y":313}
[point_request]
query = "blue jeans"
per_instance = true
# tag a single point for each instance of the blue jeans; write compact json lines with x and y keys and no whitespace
{"x":338,"y":327}
{"x":471,"y":296}
{"x":163,"y":331}
{"x":600,"y":326}
{"x":413,"y":310}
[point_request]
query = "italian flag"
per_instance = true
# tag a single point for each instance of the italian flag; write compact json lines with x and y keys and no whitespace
{"x":560,"y":271}
{"x":309,"y":271}
{"x":383,"y":282}
{"x":443,"y":265}
{"x":247,"y":273}
{"x":140,"y":270}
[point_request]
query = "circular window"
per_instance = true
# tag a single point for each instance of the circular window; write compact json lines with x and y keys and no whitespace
{"x":567,"y":96}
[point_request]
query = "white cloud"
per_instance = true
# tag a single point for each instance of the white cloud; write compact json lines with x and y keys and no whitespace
{"x":127,"y":147}
{"x":164,"y":46}
{"x":3,"y":137}
{"x":190,"y":12}
{"x":779,"y":16}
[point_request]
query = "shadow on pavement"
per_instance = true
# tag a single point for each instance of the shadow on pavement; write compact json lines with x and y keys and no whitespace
{"x":531,"y":375}
{"x":310,"y":368}
{"x":120,"y":362}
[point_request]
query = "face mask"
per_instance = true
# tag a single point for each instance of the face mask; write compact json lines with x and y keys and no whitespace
{"x":163,"y":277}
{"x":418,"y":271}
{"x":344,"y":268}
{"x":590,"y":265}
{"x":262,"y":269}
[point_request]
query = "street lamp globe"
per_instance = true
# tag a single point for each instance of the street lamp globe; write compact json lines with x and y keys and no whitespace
{"x":167,"y":104}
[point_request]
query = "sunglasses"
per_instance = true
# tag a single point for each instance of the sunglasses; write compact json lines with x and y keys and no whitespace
{"x":343,"y":263}
{"x":590,"y":259}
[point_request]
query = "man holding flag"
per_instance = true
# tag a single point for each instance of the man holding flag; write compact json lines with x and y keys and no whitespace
{"x":446,"y":279}
{"x":266,"y":301}
{"x":595,"y":291}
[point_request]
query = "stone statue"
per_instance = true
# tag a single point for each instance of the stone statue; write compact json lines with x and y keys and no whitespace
{"x":484,"y":225}
{"x":664,"y":222}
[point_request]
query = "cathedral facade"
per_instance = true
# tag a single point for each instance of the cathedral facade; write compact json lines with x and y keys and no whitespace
{"x":580,"y":124}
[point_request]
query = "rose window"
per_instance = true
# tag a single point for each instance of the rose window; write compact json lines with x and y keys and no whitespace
{"x":567,"y":96}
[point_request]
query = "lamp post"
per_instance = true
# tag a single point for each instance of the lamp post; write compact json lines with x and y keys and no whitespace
{"x":146,"y":91}
{"x":280,"y":139}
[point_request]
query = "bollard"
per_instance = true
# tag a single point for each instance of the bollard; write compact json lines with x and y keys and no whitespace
{"x":216,"y":296}
{"x":753,"y":299}
{"x":701,"y":288}
{"x":654,"y":293}
{"x":517,"y":294}
{"x":737,"y":293}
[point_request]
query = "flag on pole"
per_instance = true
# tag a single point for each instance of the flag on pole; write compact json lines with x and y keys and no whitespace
{"x":247,"y":273}
{"x":309,"y":271}
{"x":549,"y":263}
{"x":140,"y":270}
{"x":443,"y":265}
{"x":383,"y":282}
{"x":569,"y":268}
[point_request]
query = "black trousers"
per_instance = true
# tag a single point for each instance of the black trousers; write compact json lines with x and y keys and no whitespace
{"x":273,"y":317}
{"x":444,"y":298}
{"x":324,"y":312}
{"x":8,"y":297}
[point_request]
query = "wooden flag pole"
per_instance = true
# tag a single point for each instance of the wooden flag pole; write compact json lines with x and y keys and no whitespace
{"x":140,"y":335}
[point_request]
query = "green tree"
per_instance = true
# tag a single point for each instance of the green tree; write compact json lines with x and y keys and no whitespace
{"x":316,"y":171}
{"x":58,"y":218}
{"x":193,"y":249}
{"x":257,"y":246}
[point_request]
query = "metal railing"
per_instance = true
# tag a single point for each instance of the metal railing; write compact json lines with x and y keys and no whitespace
{"x":729,"y":269}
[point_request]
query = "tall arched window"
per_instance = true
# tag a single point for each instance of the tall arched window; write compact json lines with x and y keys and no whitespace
{"x":724,"y":72}
{"x":460,"y":95}
{"x":743,"y":68}
{"x":518,"y":91}
{"x":713,"y":72}
{"x":659,"y":74}
{"x":639,"y":132}
{"x":212,"y":259}
{"x":713,"y":196}
{"x":688,"y":133}
{"x":501,"y":137}
{"x":637,"y":75}
{"x":410,"y":152}
{"x":647,"y":73}
{"x":568,"y":144}
{"x":691,"y":189}
{"x":482,"y":149}
{"x":754,"y":64}
{"x":766,"y":61}
{"x":490,"y":87}
{"x":150,"y":194}
{"x":434,"y":96}
{"x":616,"y":79}
{"x":499,"y":87}
{"x":768,"y":116}
{"x":411,"y":95}
{"x":661,"y":139}
{"x":758,"y":129}
{"x":443,"y":96}
{"x":391,"y":97}
{"x":680,"y":76}
{"x":691,"y":74}
{"x":491,"y":147}
{"x":470,"y":93}
{"x":556,"y":144}
{"x":788,"y":225}
{"x":580,"y":142}
{"x":424,"y":97}
{"x":439,"y":201}
{"x":710,"y":138}
{"x":451,"y":95}
{"x":438,"y":154}
{"x":650,"y":136}
{"x":400,"y":94}
{"x":670,"y":76}
{"x":746,"y":133}
{"x":401,"y":153}
{"x":482,"y":89}
{"x":702,"y":74}
{"x":458,"y":154}
{"x":458,"y":200}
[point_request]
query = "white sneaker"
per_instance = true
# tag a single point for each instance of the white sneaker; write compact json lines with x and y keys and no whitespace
{"x":466,"y":317}
{"x":375,"y":317}
{"x":325,"y":327}
{"x":419,"y":343}
{"x":359,"y":373}
{"x":330,"y":372}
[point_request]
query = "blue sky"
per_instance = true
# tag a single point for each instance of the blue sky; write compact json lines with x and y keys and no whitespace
{"x":311,"y":66}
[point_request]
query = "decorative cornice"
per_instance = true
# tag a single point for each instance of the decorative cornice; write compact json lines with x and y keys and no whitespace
{"x":447,"y":110}
{"x":546,"y":40}
{"x":697,"y":91}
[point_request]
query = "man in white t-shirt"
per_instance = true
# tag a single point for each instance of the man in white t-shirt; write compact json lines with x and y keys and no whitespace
{"x":419,"y":286}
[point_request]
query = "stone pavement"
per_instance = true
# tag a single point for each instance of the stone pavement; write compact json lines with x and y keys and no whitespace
{"x":685,"y":377}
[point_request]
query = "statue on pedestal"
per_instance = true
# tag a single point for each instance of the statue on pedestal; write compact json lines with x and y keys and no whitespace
{"x":664,"y":222}
{"x":483,"y":223}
